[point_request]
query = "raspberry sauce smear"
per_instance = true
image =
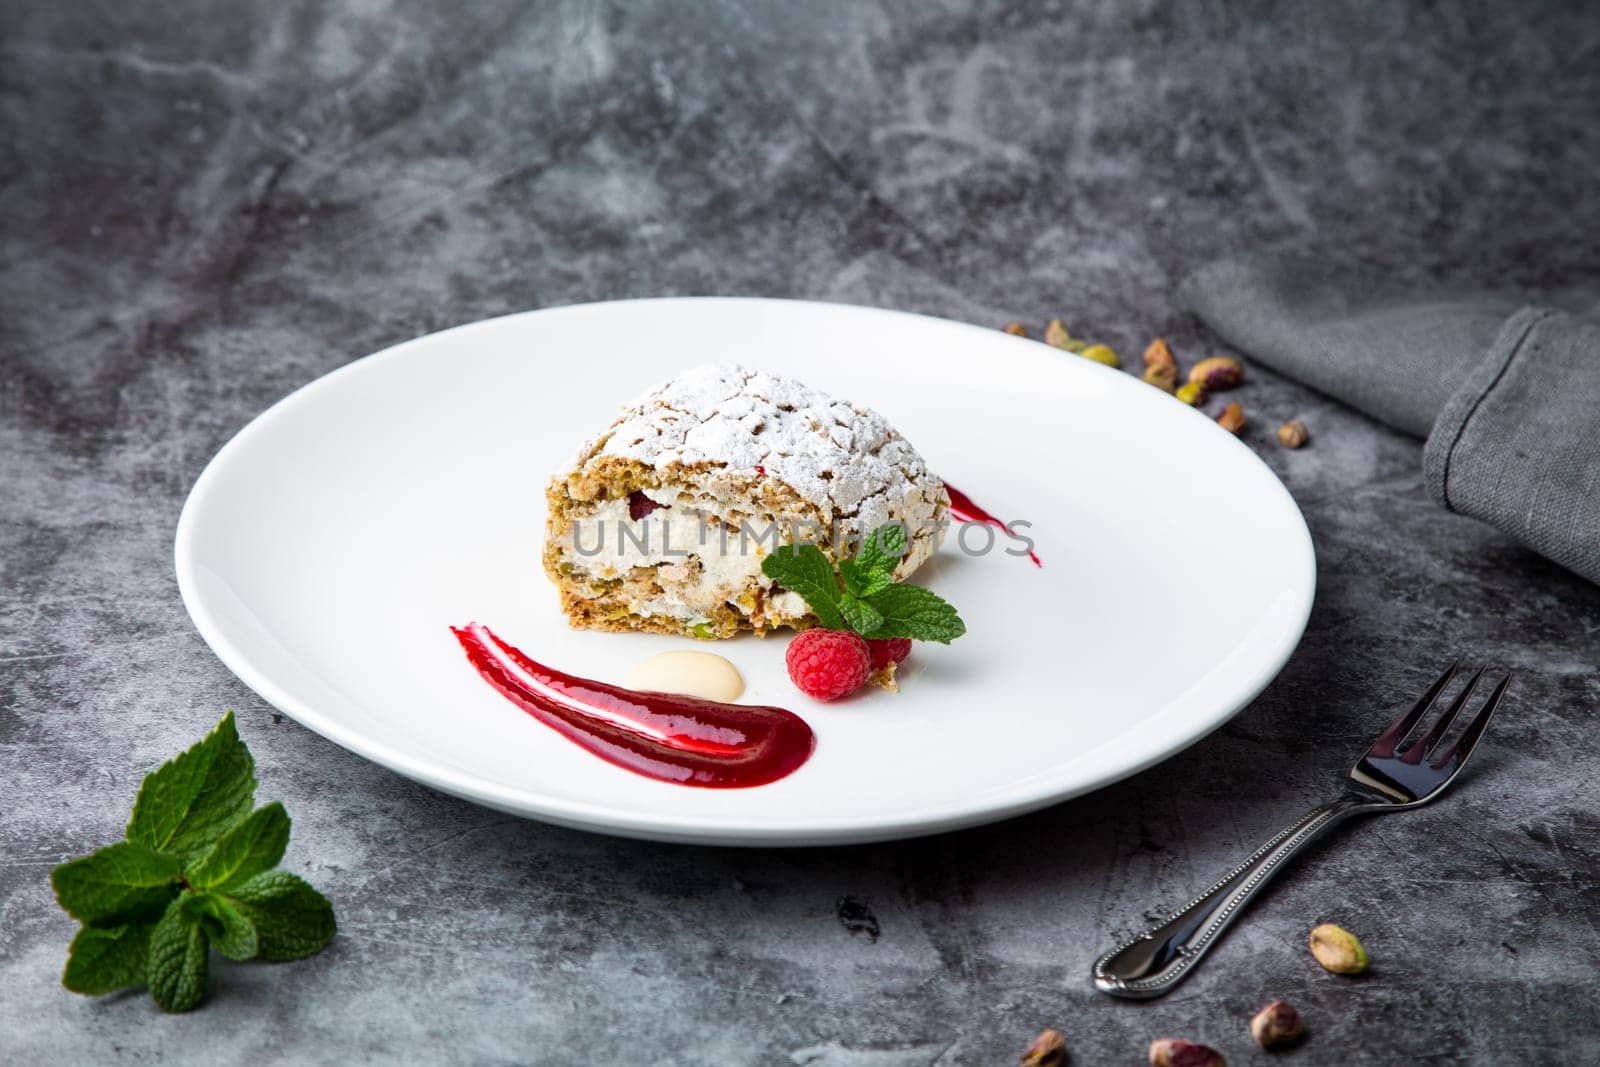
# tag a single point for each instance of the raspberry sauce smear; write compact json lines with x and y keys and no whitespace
{"x":964,"y":509}
{"x":679,"y":739}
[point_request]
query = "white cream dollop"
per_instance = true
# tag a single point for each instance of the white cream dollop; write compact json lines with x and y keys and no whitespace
{"x":697,"y":674}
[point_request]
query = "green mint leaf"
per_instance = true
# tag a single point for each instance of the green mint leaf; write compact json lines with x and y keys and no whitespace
{"x":191,"y":800}
{"x":872,"y":569}
{"x":917,"y":613}
{"x":805,"y":570}
{"x":117,"y":883}
{"x":292,"y":920}
{"x":228,"y":928}
{"x":884,"y":548}
{"x":253,"y":846}
{"x":859,"y":580}
{"x":104,"y":960}
{"x":862,"y":616}
{"x":179,"y":960}
{"x":853,"y":577}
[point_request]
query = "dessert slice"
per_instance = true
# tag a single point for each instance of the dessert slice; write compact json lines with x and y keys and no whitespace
{"x":663,"y":521}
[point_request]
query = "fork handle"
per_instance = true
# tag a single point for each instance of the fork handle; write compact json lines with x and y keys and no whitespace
{"x":1160,"y":957}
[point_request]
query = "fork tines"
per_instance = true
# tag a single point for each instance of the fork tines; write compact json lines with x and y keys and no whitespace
{"x":1429,"y":743}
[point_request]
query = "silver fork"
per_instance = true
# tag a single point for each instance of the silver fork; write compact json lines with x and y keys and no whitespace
{"x":1386,"y":778}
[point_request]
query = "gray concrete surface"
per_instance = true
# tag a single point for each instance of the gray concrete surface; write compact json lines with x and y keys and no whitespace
{"x":203,"y":206}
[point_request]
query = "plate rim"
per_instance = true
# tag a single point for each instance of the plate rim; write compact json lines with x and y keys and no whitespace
{"x":698,"y":829}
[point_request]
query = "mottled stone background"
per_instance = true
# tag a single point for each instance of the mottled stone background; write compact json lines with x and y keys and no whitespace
{"x":205,"y":205}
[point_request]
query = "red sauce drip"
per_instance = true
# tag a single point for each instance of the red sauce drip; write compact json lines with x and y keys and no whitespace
{"x":665,"y":736}
{"x":762,"y":471}
{"x":965,"y":509}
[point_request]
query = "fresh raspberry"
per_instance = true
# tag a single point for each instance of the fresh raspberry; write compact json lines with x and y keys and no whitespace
{"x":887,"y":650}
{"x":828,"y":664}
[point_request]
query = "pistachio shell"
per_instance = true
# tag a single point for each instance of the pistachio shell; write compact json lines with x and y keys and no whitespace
{"x":1293,"y":434}
{"x":1337,"y":949}
{"x":1173,"y":1052}
{"x":1160,"y":355}
{"x":1276,"y":1025}
{"x":1161,"y":375}
{"x":1217,"y":373}
{"x":1055,"y":333}
{"x":1232,"y":418}
{"x":1101,"y":354}
{"x":1049,"y":1049}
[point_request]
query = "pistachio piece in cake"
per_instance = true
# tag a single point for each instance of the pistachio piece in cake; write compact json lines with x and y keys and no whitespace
{"x":662,"y":521}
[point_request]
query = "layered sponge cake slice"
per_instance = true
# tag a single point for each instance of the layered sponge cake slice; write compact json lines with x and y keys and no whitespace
{"x":662,"y":522}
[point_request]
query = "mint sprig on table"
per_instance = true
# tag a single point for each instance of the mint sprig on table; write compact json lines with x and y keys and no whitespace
{"x":195,"y":873}
{"x":861,"y":594}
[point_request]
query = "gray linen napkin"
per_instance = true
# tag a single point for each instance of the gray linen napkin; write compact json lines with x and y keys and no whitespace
{"x":1507,"y":395}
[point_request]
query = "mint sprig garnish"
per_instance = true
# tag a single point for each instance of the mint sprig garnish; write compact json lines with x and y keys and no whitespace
{"x":195,"y":873}
{"x":862,"y":595}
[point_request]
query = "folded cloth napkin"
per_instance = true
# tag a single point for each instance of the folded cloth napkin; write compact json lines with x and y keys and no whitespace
{"x":1507,"y":394}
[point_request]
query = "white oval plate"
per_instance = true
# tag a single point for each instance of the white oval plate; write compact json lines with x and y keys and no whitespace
{"x":326,"y":549}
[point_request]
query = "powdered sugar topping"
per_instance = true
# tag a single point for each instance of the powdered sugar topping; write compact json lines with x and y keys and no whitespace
{"x":842,"y":457}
